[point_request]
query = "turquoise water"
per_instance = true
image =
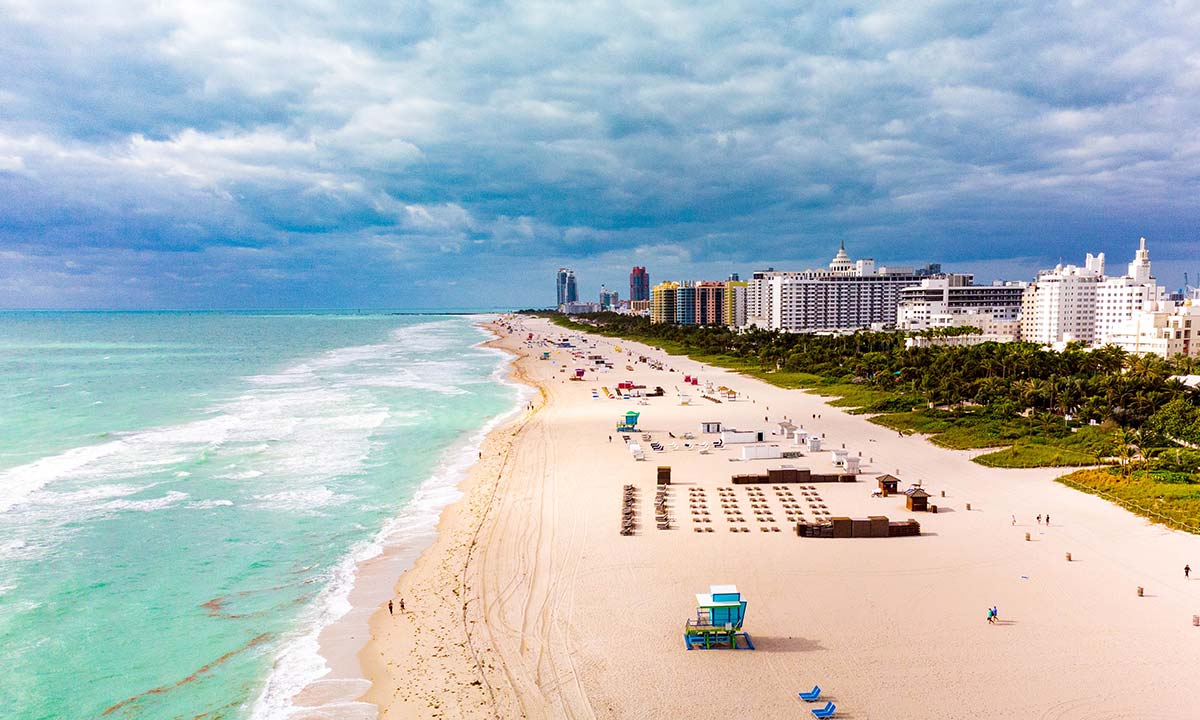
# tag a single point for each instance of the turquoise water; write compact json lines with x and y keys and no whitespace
{"x":183,"y":496}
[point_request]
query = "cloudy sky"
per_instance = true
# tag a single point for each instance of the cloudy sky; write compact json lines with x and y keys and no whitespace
{"x":342,"y":153}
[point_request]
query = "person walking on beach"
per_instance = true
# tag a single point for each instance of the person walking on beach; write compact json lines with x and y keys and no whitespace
{"x":1014,"y":517}
{"x":991,"y":616}
{"x":1187,"y":572}
{"x":1039,"y":519}
{"x":401,"y":604}
{"x":390,"y":610}
{"x":1047,"y":519}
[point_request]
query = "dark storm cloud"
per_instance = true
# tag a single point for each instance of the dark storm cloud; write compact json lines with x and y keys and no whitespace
{"x":331,"y":154}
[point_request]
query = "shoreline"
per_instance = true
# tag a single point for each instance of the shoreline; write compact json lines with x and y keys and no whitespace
{"x":338,"y":691}
{"x":528,"y":629}
{"x":453,"y":546}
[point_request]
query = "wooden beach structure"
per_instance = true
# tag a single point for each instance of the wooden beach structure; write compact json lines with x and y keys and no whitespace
{"x":918,"y":500}
{"x":720,"y":613}
{"x":888,"y":484}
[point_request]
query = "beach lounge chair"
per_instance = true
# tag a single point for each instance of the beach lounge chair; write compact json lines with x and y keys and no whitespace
{"x":811,"y":695}
{"x":824,"y":712}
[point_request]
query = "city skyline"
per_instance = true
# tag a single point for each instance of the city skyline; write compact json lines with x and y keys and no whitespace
{"x":179,"y":155}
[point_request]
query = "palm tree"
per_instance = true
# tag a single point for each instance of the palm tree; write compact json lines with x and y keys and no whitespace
{"x":1128,"y":448}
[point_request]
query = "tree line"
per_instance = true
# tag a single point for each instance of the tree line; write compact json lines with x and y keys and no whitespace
{"x":1137,"y":392}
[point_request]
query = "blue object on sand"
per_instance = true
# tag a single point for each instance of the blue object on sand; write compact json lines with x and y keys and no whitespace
{"x":811,"y":695}
{"x":824,"y":712}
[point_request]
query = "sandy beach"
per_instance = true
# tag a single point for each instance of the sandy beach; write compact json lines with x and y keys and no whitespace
{"x":531,"y":604}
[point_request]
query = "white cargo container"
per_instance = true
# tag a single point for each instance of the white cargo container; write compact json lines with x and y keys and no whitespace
{"x":761,"y":452}
{"x":729,"y":435}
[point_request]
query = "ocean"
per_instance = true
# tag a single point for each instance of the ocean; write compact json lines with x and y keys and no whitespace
{"x":184,"y":496}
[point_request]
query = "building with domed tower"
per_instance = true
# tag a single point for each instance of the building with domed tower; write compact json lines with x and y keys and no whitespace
{"x":848,"y":295}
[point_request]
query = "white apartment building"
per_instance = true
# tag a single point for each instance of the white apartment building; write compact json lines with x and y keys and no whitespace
{"x":1060,"y":305}
{"x":1118,"y":299}
{"x":935,"y":299}
{"x":1073,"y":303}
{"x":850,"y":294}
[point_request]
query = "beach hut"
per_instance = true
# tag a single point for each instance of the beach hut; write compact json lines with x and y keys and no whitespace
{"x":838,"y":457}
{"x":636,"y":451}
{"x":787,"y":428}
{"x":664,"y":474}
{"x":710,"y":427}
{"x":888,"y":484}
{"x":720,"y":614}
{"x":918,"y":500}
{"x":629,"y":424}
{"x":851,"y":463}
{"x":814,"y":443}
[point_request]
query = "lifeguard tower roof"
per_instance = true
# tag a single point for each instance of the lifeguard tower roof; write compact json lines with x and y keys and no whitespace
{"x":719,"y":596}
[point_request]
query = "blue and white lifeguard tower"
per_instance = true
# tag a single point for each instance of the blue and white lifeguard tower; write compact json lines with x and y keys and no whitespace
{"x":720,"y":613}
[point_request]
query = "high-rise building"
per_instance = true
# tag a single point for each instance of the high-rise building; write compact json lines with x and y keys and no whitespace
{"x":936,"y":300}
{"x":1082,"y":303}
{"x":662,"y":302}
{"x":849,"y":295}
{"x":565,"y":285}
{"x":1118,"y":299}
{"x":608,"y":300}
{"x":685,"y":304}
{"x":735,"y":302}
{"x":639,"y":284}
{"x":1061,"y":304}
{"x":710,"y":303}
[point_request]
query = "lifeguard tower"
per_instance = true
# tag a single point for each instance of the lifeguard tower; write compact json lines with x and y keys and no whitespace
{"x":720,"y":613}
{"x":629,"y":424}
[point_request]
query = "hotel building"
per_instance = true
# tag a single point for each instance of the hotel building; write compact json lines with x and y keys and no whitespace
{"x":1071,"y":303}
{"x":954,"y":300}
{"x":849,"y":295}
{"x":1166,"y":329}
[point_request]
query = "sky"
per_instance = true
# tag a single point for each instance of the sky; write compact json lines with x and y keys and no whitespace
{"x":351,"y":154}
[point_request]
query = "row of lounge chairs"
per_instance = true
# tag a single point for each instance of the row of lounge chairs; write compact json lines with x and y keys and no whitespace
{"x":662,"y":514}
{"x":629,"y":510}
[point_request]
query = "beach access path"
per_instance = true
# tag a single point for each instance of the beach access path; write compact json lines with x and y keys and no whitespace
{"x":530,"y":603}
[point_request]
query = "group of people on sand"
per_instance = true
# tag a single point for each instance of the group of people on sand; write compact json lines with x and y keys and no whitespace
{"x":993,"y":615}
{"x":1039,"y":519}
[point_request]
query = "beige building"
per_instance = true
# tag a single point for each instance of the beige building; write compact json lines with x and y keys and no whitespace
{"x":662,"y":302}
{"x":1165,"y":330}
